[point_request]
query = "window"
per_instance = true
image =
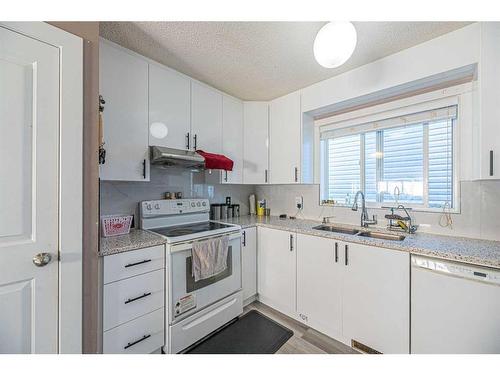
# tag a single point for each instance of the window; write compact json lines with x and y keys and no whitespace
{"x":404,"y":159}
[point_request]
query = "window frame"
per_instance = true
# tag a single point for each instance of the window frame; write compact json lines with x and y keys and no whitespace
{"x":454,"y":95}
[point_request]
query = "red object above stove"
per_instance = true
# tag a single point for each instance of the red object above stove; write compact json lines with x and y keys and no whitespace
{"x":216,"y":161}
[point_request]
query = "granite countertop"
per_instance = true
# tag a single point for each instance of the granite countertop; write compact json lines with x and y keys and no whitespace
{"x":461,"y":249}
{"x":136,"y":239}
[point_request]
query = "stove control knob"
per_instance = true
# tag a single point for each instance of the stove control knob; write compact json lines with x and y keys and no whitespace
{"x":198,"y":204}
{"x":148,"y":207}
{"x":193,"y":204}
{"x":157,"y":206}
{"x":204,"y":204}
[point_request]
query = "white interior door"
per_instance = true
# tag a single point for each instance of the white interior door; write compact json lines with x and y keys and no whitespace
{"x":29,"y":132}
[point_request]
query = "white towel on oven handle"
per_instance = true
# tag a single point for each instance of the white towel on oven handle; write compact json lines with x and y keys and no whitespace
{"x":209,"y":257}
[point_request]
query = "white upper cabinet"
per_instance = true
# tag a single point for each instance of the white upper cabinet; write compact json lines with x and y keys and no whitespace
{"x":376,"y":295}
{"x":206,"y":118}
{"x":255,"y":142}
{"x":285,"y":139}
{"x":232,"y":138}
{"x":123,"y":83}
{"x":489,"y":81}
{"x":169,"y":108}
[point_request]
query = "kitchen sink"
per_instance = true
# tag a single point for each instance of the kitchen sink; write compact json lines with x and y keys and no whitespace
{"x":382,"y":236}
{"x":332,"y":228}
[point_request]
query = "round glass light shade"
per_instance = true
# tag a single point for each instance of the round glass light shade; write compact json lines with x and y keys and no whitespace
{"x":335,"y":43}
{"x":158,"y":130}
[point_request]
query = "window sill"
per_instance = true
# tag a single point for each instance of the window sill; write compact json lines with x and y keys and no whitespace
{"x":413,"y":209}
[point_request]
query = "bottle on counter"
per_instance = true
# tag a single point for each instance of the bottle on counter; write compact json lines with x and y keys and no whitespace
{"x":261,"y":207}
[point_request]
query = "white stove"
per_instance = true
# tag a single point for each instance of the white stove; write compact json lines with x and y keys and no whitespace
{"x":194,"y":308}
{"x":181,"y":220}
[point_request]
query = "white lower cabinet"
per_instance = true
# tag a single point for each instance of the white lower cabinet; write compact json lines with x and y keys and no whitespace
{"x":354,"y":293}
{"x":134,"y":301}
{"x":276,"y":275}
{"x":376,"y":298}
{"x":319,"y":284}
{"x":249,"y":263}
{"x":139,"y":336}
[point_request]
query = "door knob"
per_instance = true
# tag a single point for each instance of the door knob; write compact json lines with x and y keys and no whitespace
{"x":42,"y":259}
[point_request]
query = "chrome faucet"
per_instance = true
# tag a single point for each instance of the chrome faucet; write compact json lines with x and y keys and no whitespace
{"x":365,"y":220}
{"x":326,"y":219}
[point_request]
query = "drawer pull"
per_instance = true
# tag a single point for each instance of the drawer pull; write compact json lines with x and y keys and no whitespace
{"x":137,"y":263}
{"x":136,"y":298}
{"x":145,"y":337}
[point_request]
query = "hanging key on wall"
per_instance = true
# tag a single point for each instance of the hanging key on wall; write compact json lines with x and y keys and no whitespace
{"x":102,"y":150}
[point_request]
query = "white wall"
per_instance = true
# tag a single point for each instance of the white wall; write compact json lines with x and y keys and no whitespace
{"x":450,"y":51}
{"x":480,"y":200}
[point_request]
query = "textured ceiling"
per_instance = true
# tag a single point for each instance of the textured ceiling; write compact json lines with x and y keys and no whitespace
{"x":261,"y":60}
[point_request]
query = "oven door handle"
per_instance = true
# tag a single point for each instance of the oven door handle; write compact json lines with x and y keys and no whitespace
{"x":183,"y":246}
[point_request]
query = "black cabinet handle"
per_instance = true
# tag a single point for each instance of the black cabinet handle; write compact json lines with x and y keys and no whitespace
{"x":225,"y":179}
{"x":188,"y":138}
{"x":346,"y":255}
{"x":291,"y":242}
{"x":195,"y":138}
{"x":137,"y":298}
{"x":244,"y":238}
{"x":137,"y":263}
{"x":144,"y":168}
{"x":296,"y":174}
{"x":491,"y":162}
{"x":145,"y":337}
{"x":265,"y":176}
{"x":336,"y":252}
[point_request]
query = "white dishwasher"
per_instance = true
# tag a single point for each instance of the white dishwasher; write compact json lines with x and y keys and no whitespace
{"x":455,"y":308}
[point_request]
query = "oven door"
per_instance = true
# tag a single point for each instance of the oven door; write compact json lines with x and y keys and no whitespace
{"x":187,"y":296}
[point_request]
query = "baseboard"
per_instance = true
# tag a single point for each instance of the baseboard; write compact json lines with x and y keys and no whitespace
{"x":249,"y":300}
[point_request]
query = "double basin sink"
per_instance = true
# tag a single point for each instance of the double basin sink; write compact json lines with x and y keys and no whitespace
{"x":356,"y":232}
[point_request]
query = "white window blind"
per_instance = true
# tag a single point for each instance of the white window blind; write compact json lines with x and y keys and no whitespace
{"x":406,"y":159}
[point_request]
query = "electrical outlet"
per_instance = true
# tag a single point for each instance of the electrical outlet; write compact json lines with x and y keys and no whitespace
{"x":299,"y":203}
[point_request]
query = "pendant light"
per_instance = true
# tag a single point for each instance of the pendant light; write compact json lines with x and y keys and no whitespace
{"x":335,"y":43}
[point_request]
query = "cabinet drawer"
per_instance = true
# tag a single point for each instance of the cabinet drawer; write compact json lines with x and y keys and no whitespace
{"x":133,"y":263}
{"x":130,"y":298}
{"x":139,"y":336}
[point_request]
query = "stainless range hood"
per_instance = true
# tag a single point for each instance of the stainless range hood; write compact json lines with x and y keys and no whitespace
{"x":172,"y":157}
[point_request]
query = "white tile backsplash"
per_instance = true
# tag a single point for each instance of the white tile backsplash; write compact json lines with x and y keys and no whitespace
{"x":478,"y":217}
{"x":122,"y":197}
